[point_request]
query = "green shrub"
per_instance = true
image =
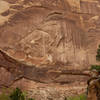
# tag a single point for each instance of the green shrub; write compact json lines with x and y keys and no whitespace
{"x":98,"y":54}
{"x":96,"y":67}
{"x":80,"y":97}
{"x":16,"y":94}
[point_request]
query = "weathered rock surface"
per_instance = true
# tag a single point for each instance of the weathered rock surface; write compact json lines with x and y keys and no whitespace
{"x":41,"y":91}
{"x":41,"y":83}
{"x":51,"y":31}
{"x":16,"y":70}
{"x":94,"y":87}
{"x":54,"y":36}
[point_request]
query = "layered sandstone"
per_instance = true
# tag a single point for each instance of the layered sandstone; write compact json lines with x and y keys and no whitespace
{"x":65,"y":31}
{"x":54,"y":34}
{"x":41,"y":83}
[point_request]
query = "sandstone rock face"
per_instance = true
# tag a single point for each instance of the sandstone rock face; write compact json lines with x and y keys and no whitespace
{"x":94,"y":86}
{"x":15,"y":70}
{"x":53,"y":35}
{"x":48,"y":82}
{"x":50,"y":92}
{"x":51,"y":31}
{"x":5,"y":78}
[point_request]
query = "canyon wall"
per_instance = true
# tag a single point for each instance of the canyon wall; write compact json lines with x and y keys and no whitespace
{"x":51,"y":31}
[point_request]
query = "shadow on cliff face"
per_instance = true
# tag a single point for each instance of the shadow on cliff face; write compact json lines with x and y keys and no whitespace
{"x":16,"y":70}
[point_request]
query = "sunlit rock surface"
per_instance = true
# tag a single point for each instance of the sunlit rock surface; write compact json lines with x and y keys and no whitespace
{"x":50,"y":31}
{"x":62,"y":33}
